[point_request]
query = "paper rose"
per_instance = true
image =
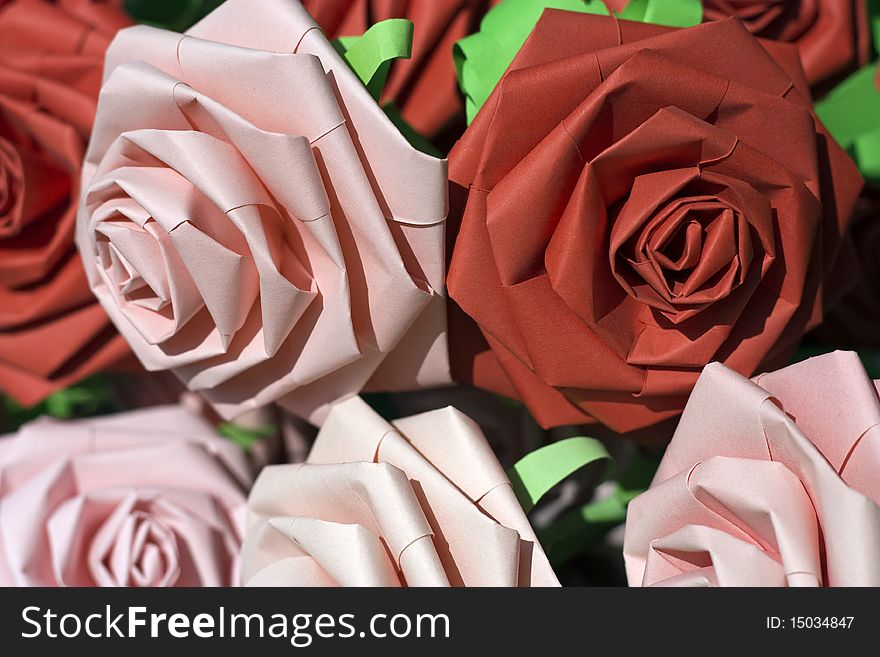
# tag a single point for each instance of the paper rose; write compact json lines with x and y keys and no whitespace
{"x":424,"y":86}
{"x":52,"y":333}
{"x":421,"y":503}
{"x":148,"y":498}
{"x":832,"y":36}
{"x":623,"y":231}
{"x":767,"y":483}
{"x":251,"y":219}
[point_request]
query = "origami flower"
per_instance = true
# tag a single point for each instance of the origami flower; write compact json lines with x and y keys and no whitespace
{"x":251,"y":219}
{"x":52,"y":333}
{"x":768,"y":483}
{"x":421,"y":503}
{"x":149,"y":498}
{"x":423,"y":87}
{"x":619,"y":232}
{"x":832,"y":36}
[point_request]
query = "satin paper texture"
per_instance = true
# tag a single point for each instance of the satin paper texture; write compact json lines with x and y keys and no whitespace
{"x":421,"y":503}
{"x":148,"y":498}
{"x":667,"y":199}
{"x":253,"y":221}
{"x":833,"y":37}
{"x":423,"y":87}
{"x":52,"y":332}
{"x":771,"y":482}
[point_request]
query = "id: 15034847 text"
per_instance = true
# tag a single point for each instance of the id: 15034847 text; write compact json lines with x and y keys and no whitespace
{"x":810,"y":622}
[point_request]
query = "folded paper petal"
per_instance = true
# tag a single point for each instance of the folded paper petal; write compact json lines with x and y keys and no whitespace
{"x":298,"y":257}
{"x":770,"y":482}
{"x":420,"y":502}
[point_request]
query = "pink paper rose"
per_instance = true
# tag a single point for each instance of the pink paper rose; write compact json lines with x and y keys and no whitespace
{"x":422,"y":502}
{"x":771,"y":482}
{"x":149,"y":498}
{"x":251,"y":219}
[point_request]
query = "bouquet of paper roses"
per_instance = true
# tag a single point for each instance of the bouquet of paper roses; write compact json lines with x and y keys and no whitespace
{"x":448,"y":293}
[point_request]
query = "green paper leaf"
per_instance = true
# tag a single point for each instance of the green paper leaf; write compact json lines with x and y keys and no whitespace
{"x":177,"y":15}
{"x":371,"y":54}
{"x":86,"y":399}
{"x":482,"y":58}
{"x":672,"y":13}
{"x":539,"y":472}
{"x":370,"y":57}
{"x":245,"y":437}
{"x":851,"y":112}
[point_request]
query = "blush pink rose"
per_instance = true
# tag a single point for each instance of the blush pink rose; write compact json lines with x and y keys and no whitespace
{"x":149,"y":498}
{"x":770,"y":482}
{"x":252,"y":221}
{"x":420,"y":502}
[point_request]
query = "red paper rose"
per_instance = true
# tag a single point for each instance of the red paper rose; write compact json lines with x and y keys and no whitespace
{"x":52,"y":331}
{"x":642,"y":201}
{"x":423,"y":87}
{"x":832,"y":36}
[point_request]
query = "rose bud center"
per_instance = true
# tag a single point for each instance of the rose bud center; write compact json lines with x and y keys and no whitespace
{"x":144,"y":553}
{"x":681,"y":254}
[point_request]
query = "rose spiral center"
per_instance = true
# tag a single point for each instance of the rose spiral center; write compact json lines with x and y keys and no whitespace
{"x":145,"y":553}
{"x":681,"y":255}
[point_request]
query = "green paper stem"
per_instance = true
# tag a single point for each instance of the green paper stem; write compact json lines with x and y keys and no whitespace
{"x":537,"y":473}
